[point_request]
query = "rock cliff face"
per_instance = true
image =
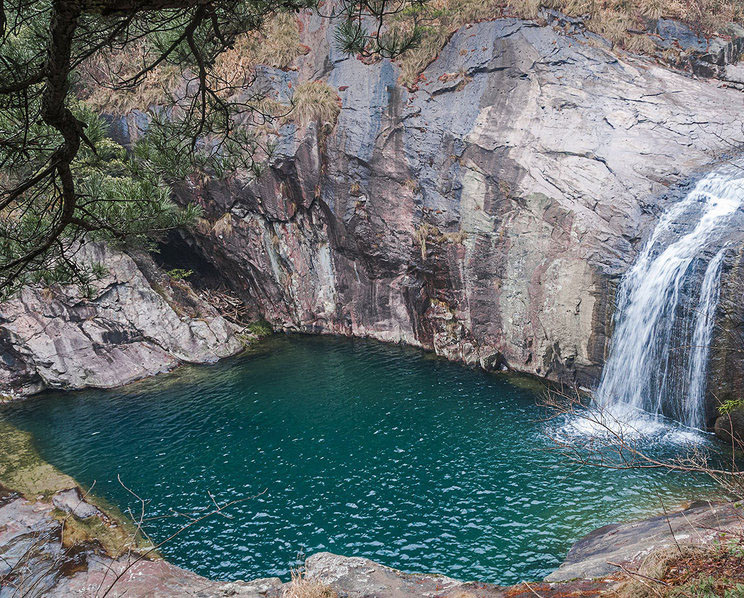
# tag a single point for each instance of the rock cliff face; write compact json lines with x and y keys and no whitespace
{"x":486,"y":215}
{"x":726,"y":365}
{"x":133,"y":323}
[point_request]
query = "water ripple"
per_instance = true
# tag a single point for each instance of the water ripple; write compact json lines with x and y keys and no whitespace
{"x":361,"y":448}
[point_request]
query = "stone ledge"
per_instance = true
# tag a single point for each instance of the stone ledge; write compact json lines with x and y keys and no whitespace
{"x":630,"y":543}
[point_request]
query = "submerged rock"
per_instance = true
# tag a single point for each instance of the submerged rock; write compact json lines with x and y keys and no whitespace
{"x":72,"y":501}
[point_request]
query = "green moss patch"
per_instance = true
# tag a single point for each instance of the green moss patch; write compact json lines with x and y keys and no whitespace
{"x":24,"y":471}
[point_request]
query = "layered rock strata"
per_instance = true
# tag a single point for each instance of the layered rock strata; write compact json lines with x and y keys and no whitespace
{"x":486,"y":215}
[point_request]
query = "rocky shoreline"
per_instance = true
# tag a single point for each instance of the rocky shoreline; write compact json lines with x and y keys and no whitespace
{"x":39,"y":559}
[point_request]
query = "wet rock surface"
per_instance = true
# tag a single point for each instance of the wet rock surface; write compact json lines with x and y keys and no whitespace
{"x":133,"y":322}
{"x":726,"y":361}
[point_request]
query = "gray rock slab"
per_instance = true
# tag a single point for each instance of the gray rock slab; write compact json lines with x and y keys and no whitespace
{"x":127,"y":328}
{"x":72,"y":501}
{"x":630,"y":543}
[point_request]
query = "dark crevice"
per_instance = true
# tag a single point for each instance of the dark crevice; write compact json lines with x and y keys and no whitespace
{"x":179,"y":252}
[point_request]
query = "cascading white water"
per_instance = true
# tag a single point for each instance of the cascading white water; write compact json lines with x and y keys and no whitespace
{"x":694,"y":404}
{"x":665,"y":315}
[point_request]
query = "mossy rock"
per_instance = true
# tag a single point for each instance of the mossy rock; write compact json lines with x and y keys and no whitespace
{"x":115,"y":538}
{"x":22,"y":468}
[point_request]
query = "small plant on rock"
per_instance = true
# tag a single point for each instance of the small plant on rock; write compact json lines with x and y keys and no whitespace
{"x":302,"y":587}
{"x":98,"y":270}
{"x":178,"y":274}
{"x":260,"y":328}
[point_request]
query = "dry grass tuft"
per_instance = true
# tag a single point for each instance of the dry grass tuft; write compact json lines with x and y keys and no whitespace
{"x":279,"y":42}
{"x":302,"y":587}
{"x":654,"y":9}
{"x":315,"y":101}
{"x":526,"y":9}
{"x":99,"y":74}
{"x":611,"y":24}
{"x":441,"y":18}
{"x":413,"y":62}
{"x":690,"y":572}
{"x":640,"y":44}
{"x":276,"y":45}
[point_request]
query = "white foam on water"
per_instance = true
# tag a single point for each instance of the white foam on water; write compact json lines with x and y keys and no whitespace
{"x":624,"y":424}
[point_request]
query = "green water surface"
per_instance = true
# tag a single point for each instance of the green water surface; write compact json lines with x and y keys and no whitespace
{"x":359,"y":448}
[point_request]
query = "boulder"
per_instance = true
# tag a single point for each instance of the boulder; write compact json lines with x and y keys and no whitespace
{"x":124,"y":327}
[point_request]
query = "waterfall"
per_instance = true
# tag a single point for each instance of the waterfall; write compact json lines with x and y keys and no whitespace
{"x":694,"y":404}
{"x":665,"y":315}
